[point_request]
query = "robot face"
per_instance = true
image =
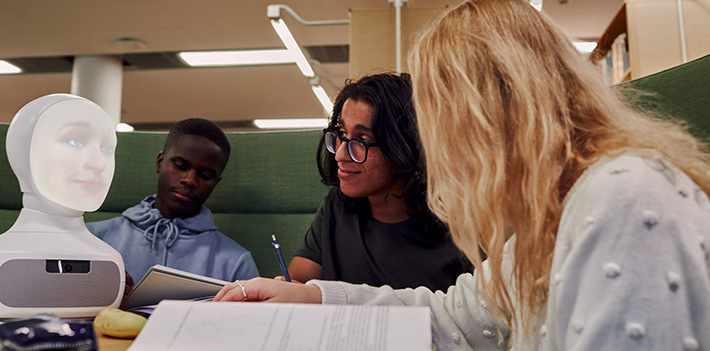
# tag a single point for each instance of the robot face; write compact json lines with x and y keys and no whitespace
{"x":72,"y":154}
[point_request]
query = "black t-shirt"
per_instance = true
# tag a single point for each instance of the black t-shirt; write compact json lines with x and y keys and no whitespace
{"x":363,"y":250}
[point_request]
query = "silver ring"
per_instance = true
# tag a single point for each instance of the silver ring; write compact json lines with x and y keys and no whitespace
{"x":241,"y":285}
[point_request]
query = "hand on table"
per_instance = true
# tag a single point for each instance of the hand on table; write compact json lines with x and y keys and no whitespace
{"x":281,"y":278}
{"x":269,"y":290}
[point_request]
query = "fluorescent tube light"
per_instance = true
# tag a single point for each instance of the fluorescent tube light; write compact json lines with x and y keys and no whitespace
{"x":291,"y":123}
{"x":236,"y":57}
{"x":584,"y":47}
{"x":8,"y":68}
{"x":290,"y":43}
{"x":323,"y":98}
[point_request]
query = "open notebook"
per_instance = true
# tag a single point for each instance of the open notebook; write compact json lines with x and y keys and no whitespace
{"x":161,"y":283}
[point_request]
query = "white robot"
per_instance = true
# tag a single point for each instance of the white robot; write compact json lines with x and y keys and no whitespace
{"x":61,"y":148}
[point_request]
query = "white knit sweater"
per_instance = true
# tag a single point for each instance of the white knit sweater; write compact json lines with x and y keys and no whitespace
{"x":630,"y":271}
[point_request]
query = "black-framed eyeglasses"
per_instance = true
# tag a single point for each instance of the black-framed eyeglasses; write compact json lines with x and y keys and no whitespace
{"x":357,"y":149}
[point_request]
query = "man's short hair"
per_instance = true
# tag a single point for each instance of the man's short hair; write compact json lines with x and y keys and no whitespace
{"x":198,"y":127}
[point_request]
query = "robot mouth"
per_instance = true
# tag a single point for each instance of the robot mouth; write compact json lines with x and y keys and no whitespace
{"x":89,"y":183}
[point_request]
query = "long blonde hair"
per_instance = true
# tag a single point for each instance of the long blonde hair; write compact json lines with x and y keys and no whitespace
{"x":510,"y":114}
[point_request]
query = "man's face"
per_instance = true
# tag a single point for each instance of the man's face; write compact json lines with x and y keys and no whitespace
{"x":373,"y":178}
{"x":187,"y":174}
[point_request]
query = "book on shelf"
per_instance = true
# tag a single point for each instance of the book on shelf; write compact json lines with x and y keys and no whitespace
{"x":184,"y":325}
{"x":161,"y":282}
{"x":607,"y":69}
{"x":620,"y":59}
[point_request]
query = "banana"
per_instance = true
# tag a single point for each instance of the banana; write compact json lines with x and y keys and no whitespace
{"x":119,"y":323}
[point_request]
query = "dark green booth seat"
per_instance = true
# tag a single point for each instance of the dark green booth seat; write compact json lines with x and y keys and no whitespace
{"x":271,"y":186}
{"x":682,"y":92}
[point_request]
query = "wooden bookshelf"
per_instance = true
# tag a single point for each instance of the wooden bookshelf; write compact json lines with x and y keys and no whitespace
{"x":616,"y":27}
{"x":653,"y":37}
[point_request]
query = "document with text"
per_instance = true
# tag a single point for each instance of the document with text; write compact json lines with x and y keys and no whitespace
{"x":185,"y":325}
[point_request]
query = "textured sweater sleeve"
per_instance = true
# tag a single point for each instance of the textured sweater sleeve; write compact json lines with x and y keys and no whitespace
{"x":460,"y":320}
{"x":630,"y":269}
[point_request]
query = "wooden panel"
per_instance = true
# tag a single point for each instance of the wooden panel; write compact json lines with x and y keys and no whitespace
{"x":654,"y":33}
{"x":373,"y":35}
{"x":696,"y":15}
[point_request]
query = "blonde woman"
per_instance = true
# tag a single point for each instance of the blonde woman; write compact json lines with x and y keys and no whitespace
{"x":609,"y":206}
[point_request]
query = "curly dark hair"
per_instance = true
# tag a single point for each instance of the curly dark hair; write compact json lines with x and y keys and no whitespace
{"x":394,"y":126}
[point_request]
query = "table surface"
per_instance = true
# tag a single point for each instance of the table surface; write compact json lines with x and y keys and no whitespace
{"x":107,"y":343}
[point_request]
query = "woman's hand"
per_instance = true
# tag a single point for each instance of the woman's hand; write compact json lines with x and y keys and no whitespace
{"x":283,"y":279}
{"x":269,"y":290}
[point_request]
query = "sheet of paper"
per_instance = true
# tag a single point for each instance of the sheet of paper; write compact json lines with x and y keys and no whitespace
{"x":183,"y":325}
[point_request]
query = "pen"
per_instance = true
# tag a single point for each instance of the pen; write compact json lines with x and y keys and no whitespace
{"x":277,"y":247}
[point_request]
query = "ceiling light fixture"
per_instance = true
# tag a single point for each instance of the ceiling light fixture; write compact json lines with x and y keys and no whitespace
{"x":273,"y":12}
{"x":291,"y":123}
{"x":236,"y":57}
{"x":291,"y":45}
{"x":321,"y":95}
{"x":584,"y":47}
{"x":8,"y":68}
{"x":292,"y":53}
{"x":537,"y":4}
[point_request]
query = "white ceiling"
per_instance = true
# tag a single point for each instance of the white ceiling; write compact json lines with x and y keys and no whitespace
{"x":65,"y":28}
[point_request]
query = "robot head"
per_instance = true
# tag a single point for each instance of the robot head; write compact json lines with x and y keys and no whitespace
{"x":61,"y":147}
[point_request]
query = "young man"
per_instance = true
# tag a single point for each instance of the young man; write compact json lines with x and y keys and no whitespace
{"x":172,"y":227}
{"x":374,"y":227}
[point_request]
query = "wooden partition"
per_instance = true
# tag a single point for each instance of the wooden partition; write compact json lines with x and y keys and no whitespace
{"x":653,"y":34}
{"x":373,"y":37}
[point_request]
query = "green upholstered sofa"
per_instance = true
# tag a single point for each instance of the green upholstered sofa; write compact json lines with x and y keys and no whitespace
{"x":271,"y":184}
{"x":682,"y":91}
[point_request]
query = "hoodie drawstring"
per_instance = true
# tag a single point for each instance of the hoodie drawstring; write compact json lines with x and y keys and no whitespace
{"x":171,"y":235}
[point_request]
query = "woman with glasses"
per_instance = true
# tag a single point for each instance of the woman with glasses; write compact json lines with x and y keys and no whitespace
{"x":374,"y":226}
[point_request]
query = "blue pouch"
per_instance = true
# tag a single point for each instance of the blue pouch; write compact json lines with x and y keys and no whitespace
{"x":47,"y":332}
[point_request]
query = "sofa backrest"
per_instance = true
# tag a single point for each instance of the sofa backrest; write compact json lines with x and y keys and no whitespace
{"x":270,"y":186}
{"x":682,"y":92}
